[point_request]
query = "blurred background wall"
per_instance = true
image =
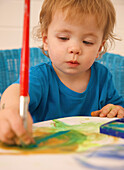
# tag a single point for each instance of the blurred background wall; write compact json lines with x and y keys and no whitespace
{"x":11,"y":23}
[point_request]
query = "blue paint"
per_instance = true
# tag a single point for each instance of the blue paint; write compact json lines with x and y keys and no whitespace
{"x":110,"y":153}
{"x":113,"y":128}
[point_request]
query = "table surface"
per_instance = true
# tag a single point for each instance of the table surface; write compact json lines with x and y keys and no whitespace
{"x":106,"y":156}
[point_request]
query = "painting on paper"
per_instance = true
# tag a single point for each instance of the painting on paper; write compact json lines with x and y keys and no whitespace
{"x":67,"y":135}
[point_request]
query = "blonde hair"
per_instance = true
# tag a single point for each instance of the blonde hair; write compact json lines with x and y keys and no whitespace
{"x":103,"y":10}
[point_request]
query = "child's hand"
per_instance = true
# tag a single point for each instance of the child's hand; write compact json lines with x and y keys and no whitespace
{"x":110,"y":111}
{"x":11,"y":128}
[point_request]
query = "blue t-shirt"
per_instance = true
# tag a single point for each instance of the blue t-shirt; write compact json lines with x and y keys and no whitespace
{"x":51,"y":99}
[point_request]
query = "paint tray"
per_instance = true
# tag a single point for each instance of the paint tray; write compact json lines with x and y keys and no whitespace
{"x":113,"y":128}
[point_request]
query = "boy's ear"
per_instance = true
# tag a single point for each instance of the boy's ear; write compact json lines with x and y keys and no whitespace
{"x":101,"y":46}
{"x":45,"y":41}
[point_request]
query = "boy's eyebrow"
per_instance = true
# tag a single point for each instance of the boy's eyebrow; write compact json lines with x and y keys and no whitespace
{"x":91,"y":34}
{"x":68,"y":31}
{"x":63,"y":30}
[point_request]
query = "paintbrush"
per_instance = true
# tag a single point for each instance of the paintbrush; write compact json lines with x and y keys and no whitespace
{"x":24,"y":68}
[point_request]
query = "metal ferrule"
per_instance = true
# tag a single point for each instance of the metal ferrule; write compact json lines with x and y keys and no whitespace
{"x":24,"y":109}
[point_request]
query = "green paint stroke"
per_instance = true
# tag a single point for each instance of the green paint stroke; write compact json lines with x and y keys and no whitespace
{"x":85,"y":127}
{"x":116,"y":125}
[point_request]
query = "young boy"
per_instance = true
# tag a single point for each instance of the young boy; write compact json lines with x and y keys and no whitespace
{"x":73,"y":32}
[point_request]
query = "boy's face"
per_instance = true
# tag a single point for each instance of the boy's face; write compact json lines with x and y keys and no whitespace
{"x":73,"y":47}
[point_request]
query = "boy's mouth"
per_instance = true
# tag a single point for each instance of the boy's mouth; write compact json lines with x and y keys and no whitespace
{"x":73,"y":63}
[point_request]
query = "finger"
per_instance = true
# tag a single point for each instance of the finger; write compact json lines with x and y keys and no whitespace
{"x":11,"y":121}
{"x":26,"y":139}
{"x":10,"y":135}
{"x":113,"y":112}
{"x":8,"y":141}
{"x":30,"y":123}
{"x":6,"y":133}
{"x":17,"y":141}
{"x":120,"y":113}
{"x":95,"y":113}
{"x":106,"y":109}
{"x":23,"y":140}
{"x":104,"y":112}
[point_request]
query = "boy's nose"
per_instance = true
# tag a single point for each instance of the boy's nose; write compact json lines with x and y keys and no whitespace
{"x":74,"y":50}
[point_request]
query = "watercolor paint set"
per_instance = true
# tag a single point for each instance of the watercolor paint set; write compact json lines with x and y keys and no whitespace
{"x":113,"y":128}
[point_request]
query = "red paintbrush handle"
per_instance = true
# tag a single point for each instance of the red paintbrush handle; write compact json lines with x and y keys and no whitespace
{"x":24,"y":70}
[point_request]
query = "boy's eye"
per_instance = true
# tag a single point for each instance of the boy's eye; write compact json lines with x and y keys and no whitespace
{"x":87,"y":42}
{"x":63,"y":38}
